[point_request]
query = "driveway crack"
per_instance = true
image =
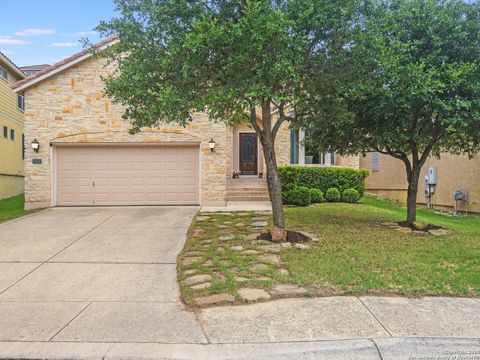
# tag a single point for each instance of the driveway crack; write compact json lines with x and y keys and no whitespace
{"x":68,"y":323}
{"x":200,"y":324}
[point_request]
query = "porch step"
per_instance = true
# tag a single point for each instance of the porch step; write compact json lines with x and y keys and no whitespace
{"x":247,"y":198}
{"x":247,"y":189}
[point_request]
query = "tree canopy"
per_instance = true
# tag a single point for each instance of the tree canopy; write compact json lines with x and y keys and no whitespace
{"x":235,"y":60}
{"x":407,"y":84}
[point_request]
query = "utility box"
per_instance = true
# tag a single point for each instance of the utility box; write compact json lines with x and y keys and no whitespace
{"x":432,"y":175}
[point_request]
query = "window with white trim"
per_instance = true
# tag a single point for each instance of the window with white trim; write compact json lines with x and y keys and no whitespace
{"x":3,"y":73}
{"x":21,"y":102}
{"x":314,"y":157}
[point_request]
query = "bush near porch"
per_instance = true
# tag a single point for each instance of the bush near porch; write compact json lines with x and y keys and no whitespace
{"x":323,"y":178}
{"x":297,"y":181}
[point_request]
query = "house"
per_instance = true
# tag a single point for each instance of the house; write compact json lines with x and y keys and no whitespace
{"x":11,"y":130}
{"x":454,"y":173}
{"x":86,"y":155}
{"x":32,"y":69}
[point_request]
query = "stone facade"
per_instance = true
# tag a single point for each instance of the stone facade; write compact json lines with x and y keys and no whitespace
{"x":69,"y":107}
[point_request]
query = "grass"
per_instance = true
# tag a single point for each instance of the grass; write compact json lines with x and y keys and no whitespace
{"x":359,"y":255}
{"x":13,"y":207}
{"x":215,"y":257}
{"x":356,"y":254}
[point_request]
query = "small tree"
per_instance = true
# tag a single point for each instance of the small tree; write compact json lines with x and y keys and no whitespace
{"x":235,"y":60}
{"x":407,"y":85}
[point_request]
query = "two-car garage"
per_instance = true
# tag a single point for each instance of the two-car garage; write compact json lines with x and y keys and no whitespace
{"x":126,"y":175}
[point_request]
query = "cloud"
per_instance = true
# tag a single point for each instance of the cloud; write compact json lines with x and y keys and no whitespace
{"x":10,"y":40}
{"x":81,"y":34}
{"x":35,"y":32}
{"x":63,"y":44}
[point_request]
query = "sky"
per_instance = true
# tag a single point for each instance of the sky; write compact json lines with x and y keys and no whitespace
{"x":46,"y":31}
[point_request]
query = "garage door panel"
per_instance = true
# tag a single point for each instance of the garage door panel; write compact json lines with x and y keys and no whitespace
{"x":127,"y":175}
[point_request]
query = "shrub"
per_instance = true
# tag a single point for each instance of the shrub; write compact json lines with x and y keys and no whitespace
{"x":288,"y":186}
{"x":323,"y":178}
{"x":316,"y":196}
{"x":333,"y":195}
{"x":299,"y":196}
{"x":350,"y":195}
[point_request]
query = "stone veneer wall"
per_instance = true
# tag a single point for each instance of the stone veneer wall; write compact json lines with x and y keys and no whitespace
{"x":350,"y":162}
{"x":70,"y":107}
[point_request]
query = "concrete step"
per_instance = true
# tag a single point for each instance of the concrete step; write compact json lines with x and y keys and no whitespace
{"x":247,"y":198}
{"x":247,"y":193}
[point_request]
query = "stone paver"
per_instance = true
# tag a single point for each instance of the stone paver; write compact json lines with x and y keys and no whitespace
{"x":429,"y":316}
{"x":292,"y":320}
{"x":197,"y":279}
{"x":252,"y":294}
{"x":201,"y":286}
{"x":269,"y":258}
{"x":215,"y":299}
{"x":287,"y":290}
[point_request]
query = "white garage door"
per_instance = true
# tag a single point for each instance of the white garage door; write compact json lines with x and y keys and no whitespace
{"x":127,"y":175}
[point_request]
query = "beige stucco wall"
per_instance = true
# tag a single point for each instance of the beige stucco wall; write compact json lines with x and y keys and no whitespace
{"x":453,"y":172}
{"x":70,"y":107}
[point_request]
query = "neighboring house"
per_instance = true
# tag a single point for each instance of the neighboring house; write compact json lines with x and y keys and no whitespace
{"x":88,"y":157}
{"x":32,"y":69}
{"x":453,"y":173}
{"x":11,"y":130}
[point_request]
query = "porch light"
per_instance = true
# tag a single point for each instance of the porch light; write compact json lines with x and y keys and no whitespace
{"x":211,"y":144}
{"x":35,"y":145}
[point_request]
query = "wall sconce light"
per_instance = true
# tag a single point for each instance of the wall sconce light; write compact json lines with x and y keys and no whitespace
{"x":35,"y":145}
{"x":211,"y":144}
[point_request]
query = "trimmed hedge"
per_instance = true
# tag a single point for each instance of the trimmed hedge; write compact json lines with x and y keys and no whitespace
{"x":317,"y":196}
{"x":350,"y":196}
{"x":299,"y":196}
{"x":323,"y":178}
{"x":332,"y":195}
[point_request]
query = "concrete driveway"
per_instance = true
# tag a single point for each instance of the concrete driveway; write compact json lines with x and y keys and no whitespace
{"x":95,"y":275}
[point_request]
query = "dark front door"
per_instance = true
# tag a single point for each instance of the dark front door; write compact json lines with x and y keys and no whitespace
{"x":248,"y":153}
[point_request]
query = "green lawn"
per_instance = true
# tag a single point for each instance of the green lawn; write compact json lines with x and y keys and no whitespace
{"x":359,"y":255}
{"x":12,"y":208}
{"x":356,"y":254}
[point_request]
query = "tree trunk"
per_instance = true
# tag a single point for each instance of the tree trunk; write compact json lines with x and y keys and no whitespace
{"x":267,"y":138}
{"x":273,"y":182}
{"x":412,"y":177}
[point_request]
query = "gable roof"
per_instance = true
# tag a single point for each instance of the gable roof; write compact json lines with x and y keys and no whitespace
{"x":34,"y":67}
{"x":61,"y":65}
{"x":10,"y":64}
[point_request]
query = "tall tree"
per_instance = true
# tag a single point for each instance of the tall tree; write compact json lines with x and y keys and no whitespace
{"x":235,"y":60}
{"x":407,"y":85}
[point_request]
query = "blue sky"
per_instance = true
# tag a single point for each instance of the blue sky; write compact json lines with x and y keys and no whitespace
{"x":46,"y":31}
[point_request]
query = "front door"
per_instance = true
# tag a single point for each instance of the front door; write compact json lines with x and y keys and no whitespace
{"x":248,"y":153}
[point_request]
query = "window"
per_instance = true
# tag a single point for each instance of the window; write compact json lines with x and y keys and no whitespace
{"x":313,"y":156}
{"x":12,"y":134}
{"x":21,"y":102}
{"x":294,"y":147}
{"x":23,"y":146}
{"x":375,"y":161}
{"x":5,"y":132}
{"x":3,"y":73}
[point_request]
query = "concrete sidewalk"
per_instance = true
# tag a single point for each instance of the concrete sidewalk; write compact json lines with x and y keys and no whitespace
{"x":320,"y":328}
{"x":367,"y":349}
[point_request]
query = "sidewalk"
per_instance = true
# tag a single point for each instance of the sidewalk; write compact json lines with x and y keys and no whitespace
{"x":345,"y":327}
